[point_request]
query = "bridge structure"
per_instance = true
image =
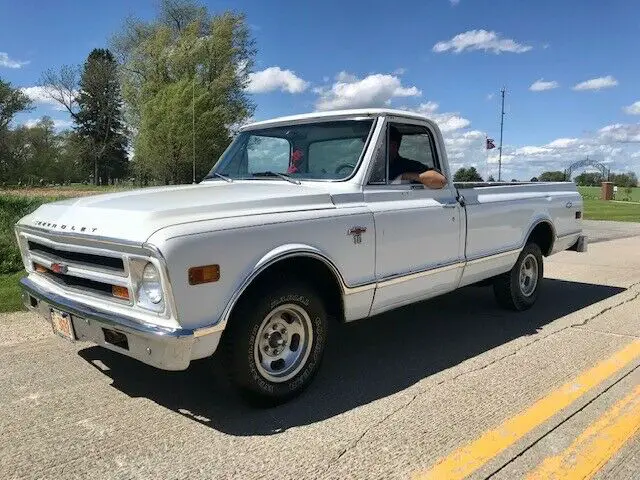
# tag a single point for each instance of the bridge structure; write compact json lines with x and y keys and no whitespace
{"x":587,"y":162}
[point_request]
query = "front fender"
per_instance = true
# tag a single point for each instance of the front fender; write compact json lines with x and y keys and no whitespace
{"x":274,"y":256}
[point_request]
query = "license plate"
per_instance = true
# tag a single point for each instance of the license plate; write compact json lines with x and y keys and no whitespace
{"x":62,"y":325}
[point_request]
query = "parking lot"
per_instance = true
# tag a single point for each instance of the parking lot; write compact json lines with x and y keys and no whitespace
{"x":449,"y":388}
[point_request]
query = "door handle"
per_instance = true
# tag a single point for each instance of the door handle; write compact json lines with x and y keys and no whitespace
{"x":450,"y":205}
{"x":569,"y":205}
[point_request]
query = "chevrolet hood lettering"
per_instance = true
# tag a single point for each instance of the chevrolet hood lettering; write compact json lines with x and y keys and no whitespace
{"x":135,"y":215}
{"x":63,"y":227}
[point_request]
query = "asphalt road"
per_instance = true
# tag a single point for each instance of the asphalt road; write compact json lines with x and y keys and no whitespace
{"x":600,"y":231}
{"x":441,"y":389}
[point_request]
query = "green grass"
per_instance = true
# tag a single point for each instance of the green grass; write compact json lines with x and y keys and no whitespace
{"x":593,"y":193}
{"x":10,"y":298}
{"x":12,"y":209}
{"x":605,"y":210}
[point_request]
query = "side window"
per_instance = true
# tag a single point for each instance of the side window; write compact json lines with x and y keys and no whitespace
{"x":415,"y":144}
{"x":267,"y":154}
{"x":418,"y":146}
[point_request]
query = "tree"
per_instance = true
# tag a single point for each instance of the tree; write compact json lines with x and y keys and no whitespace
{"x":629,"y":179}
{"x":534,"y":179}
{"x":589,"y":179}
{"x":193,"y":67}
{"x":555,"y":176}
{"x":61,"y":86}
{"x":99,"y":117}
{"x":491,"y":179}
{"x":467,"y":175}
{"x":12,"y":101}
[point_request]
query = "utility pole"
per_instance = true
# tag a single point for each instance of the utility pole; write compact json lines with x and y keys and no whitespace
{"x":193,"y":125}
{"x":501,"y":127}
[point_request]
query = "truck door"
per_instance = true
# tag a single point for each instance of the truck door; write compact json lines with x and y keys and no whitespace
{"x":419,"y":239}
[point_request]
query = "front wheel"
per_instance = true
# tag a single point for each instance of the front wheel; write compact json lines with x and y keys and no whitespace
{"x":518,"y":288}
{"x":275,"y":342}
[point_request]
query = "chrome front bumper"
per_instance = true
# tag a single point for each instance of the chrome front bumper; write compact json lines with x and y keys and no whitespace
{"x":158,"y":346}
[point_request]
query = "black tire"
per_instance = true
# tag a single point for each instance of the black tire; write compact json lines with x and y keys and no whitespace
{"x":508,"y":289}
{"x":242,"y":334}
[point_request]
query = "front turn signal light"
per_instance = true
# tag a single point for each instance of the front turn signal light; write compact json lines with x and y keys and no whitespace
{"x":39,"y":268}
{"x":204,"y":274}
{"x":120,"y":292}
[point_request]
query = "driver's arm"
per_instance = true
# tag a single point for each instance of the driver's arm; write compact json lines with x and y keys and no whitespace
{"x":430,"y":178}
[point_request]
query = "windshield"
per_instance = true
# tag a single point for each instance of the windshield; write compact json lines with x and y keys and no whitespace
{"x":312,"y":151}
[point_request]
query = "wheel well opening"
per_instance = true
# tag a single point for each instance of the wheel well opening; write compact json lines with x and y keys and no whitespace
{"x":310,"y":270}
{"x":542,"y":235}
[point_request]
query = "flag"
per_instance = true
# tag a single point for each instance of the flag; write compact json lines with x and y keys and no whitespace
{"x":490,"y":143}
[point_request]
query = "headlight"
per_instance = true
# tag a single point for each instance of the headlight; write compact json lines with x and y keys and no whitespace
{"x":150,"y":294}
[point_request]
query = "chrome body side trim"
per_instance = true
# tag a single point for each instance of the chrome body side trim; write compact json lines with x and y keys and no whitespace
{"x":493,"y":256}
{"x":577,"y":232}
{"x":415,"y":275}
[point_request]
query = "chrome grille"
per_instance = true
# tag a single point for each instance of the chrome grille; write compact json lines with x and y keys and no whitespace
{"x":88,"y":260}
{"x":87,"y":269}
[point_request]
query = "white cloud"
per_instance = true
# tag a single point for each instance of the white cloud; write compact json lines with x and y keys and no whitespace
{"x":597,"y":83}
{"x":542,"y":85}
{"x":58,"y":123}
{"x":490,"y":96}
{"x":39,"y":95}
{"x":633,"y":109}
{"x":480,"y":40}
{"x":617,"y":146}
{"x":375,"y":90}
{"x":399,"y":71}
{"x":563,"y":143}
{"x":454,"y":2}
{"x":345,"y":77}
{"x":5,"y":61}
{"x":530,"y":150}
{"x":447,"y":121}
{"x":274,"y":78}
{"x":620,"y":133}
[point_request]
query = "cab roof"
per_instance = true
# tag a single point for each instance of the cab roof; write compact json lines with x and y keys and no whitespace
{"x":334,"y":115}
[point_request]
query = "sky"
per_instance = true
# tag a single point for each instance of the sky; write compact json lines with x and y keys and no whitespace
{"x":572,"y":84}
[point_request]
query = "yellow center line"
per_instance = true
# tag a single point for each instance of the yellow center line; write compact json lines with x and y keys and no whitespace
{"x":469,"y":458}
{"x":595,"y":445}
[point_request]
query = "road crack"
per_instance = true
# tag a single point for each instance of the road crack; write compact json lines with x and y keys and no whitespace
{"x":601,"y":312}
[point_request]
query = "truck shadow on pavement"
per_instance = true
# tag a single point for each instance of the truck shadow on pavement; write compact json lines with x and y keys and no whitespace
{"x":364,"y":361}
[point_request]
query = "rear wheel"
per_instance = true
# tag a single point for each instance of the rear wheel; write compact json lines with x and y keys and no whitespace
{"x":275,"y":341}
{"x":518,"y":288}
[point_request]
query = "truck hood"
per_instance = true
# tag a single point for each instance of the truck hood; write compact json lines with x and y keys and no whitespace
{"x":135,"y":215}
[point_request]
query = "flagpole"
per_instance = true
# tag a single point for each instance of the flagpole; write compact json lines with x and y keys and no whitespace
{"x":501,"y":127}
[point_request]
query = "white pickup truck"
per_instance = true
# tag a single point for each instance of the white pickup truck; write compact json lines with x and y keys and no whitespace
{"x":296,"y":226}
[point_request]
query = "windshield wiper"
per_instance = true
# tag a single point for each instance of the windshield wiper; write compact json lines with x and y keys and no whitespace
{"x":219,"y":175}
{"x":283,"y":176}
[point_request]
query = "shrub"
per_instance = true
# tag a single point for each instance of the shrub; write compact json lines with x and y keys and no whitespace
{"x":12,"y":209}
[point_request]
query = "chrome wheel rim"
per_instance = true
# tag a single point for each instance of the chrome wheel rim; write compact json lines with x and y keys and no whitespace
{"x":528,"y":275}
{"x":283,"y":343}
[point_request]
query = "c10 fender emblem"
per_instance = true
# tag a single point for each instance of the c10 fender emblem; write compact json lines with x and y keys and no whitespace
{"x":356,"y":233}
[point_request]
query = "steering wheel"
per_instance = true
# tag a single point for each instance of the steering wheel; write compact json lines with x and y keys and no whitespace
{"x":343,"y":166}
